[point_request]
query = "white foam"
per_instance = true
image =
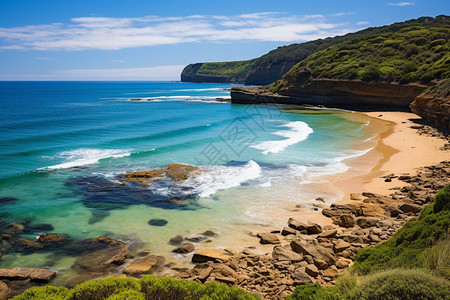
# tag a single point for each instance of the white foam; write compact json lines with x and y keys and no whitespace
{"x":223,"y":177}
{"x":299,"y":132}
{"x":86,"y":156}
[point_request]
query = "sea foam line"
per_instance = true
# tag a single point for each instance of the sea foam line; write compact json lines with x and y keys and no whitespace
{"x":299,"y":132}
{"x":86,"y":156}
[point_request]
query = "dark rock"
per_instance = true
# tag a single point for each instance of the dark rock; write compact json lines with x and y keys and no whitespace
{"x":41,"y":228}
{"x":52,"y":238}
{"x":6,"y":200}
{"x":157,"y":222}
{"x":268,"y":238}
{"x":407,"y":207}
{"x":347,"y":221}
{"x":297,"y":224}
{"x":312,"y":270}
{"x":314,"y":228}
{"x":196,"y":238}
{"x":176,"y":240}
{"x":184,"y":248}
{"x":114,"y":253}
{"x":280,"y":254}
{"x":287,"y":231}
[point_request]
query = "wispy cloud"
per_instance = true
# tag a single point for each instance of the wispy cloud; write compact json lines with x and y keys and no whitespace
{"x":401,"y":3}
{"x":362,"y":23}
{"x":86,"y":33}
{"x":342,"y":14}
{"x":171,"y":72}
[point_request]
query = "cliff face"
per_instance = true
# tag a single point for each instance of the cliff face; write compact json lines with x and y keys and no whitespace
{"x":434,"y":104}
{"x":333,"y":93}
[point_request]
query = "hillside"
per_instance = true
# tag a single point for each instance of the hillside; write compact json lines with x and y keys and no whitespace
{"x":271,"y":66}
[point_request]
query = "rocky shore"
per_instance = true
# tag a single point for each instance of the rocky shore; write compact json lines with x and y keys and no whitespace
{"x":302,"y":252}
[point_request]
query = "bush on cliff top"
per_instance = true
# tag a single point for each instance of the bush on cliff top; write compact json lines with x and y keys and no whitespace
{"x":411,"y":54}
{"x":148,"y":287}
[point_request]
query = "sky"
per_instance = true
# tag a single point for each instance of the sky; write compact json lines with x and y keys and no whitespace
{"x":142,"y":40}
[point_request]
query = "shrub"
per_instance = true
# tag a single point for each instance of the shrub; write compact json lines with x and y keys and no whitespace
{"x":402,"y":284}
{"x":313,"y":291}
{"x":442,"y":199}
{"x":44,"y":293}
{"x":100,"y":289}
{"x":437,"y":258}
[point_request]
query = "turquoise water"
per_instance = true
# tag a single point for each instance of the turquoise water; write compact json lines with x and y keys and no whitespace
{"x":63,"y":145}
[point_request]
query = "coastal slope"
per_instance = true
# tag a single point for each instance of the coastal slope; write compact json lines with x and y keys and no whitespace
{"x":273,"y":65}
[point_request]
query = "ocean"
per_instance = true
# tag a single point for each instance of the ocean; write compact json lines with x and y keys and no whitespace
{"x":65,"y":145}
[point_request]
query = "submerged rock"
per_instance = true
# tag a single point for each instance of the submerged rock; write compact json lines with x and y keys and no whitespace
{"x":7,"y":200}
{"x":52,"y":238}
{"x":157,"y":222}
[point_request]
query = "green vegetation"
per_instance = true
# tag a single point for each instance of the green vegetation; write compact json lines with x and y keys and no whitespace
{"x":387,"y":285}
{"x":271,"y":66}
{"x":411,"y":54}
{"x":148,"y":287}
{"x":413,"y":264}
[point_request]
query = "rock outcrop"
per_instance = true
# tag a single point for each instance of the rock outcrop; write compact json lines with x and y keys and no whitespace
{"x":434,"y":104}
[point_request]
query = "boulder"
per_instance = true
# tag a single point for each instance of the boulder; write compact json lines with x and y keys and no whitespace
{"x":34,"y":274}
{"x":356,"y":196}
{"x":209,"y":233}
{"x":364,"y":222}
{"x":297,"y":225}
{"x":143,"y":264}
{"x":268,"y":238}
{"x":316,"y":251}
{"x":184,"y":248}
{"x":226,"y":280}
{"x":301,"y":277}
{"x":330,"y":273}
{"x":341,"y":246}
{"x":342,"y":263}
{"x":27,"y":244}
{"x":312,"y":270}
{"x":287,"y":231}
{"x":328,"y":233}
{"x":52,"y":238}
{"x":202,"y":271}
{"x":176,"y":240}
{"x":347,"y":221}
{"x":97,"y":261}
{"x":407,"y":207}
{"x":314,"y":228}
{"x":4,"y":291}
{"x":280,"y":254}
{"x":321,"y":264}
{"x":204,"y":255}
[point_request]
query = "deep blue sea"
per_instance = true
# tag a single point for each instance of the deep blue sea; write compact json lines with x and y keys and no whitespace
{"x":64,"y":146}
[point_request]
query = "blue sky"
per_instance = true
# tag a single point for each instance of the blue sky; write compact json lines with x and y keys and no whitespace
{"x":154,"y":40}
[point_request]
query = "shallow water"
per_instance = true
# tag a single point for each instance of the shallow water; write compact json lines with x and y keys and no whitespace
{"x":64,"y":145}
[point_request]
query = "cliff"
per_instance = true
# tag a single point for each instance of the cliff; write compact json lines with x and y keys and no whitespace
{"x":273,"y":65}
{"x":434,"y":104}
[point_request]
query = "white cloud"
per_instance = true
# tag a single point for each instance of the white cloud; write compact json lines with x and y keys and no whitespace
{"x":163,"y":73}
{"x":342,"y":14}
{"x":362,"y":23}
{"x":103,"y":33}
{"x":401,"y":3}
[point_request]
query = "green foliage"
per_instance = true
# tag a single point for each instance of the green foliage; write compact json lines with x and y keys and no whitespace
{"x":401,"y":284}
{"x":442,"y":199}
{"x":271,"y":66}
{"x":409,"y":55}
{"x":100,"y":289}
{"x":148,"y":288}
{"x":406,"y":248}
{"x":313,"y":291}
{"x":437,"y":258}
{"x":44,"y":293}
